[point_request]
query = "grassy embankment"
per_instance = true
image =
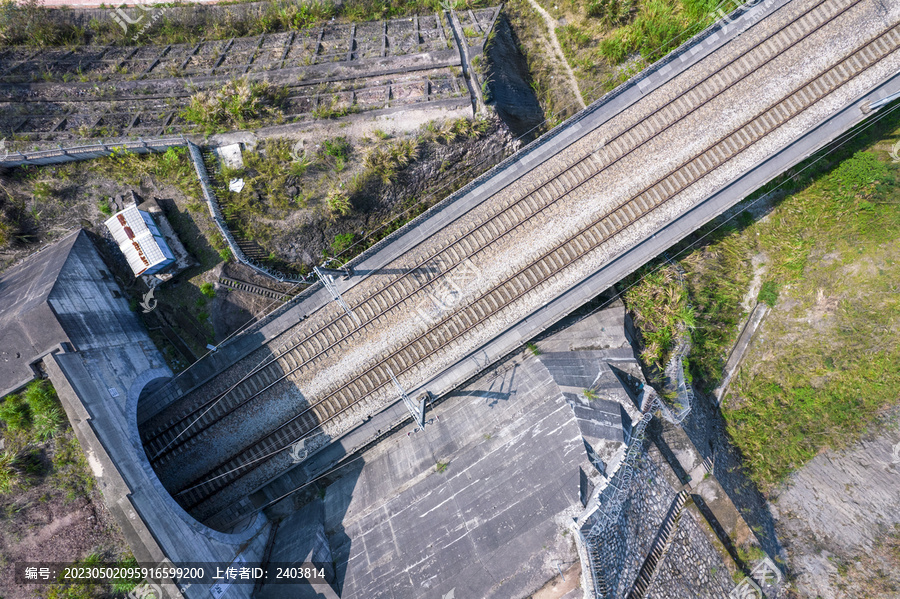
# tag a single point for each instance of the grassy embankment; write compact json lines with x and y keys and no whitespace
{"x":826,"y":363}
{"x":604,"y":41}
{"x":42,"y":459}
{"x":27,"y":23}
{"x":334,"y":182}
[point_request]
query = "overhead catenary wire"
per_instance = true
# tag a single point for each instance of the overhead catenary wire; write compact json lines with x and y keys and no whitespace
{"x":565,"y":110}
{"x":836,"y":144}
{"x":463,"y":175}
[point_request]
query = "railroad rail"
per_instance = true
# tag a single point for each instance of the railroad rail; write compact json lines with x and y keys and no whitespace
{"x":515,"y":212}
{"x":301,"y":350}
{"x":267,"y":292}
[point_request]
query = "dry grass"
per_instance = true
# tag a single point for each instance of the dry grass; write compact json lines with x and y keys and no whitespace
{"x":238,"y":104}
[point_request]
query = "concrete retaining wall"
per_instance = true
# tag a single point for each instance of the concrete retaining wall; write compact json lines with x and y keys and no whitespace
{"x":88,"y":152}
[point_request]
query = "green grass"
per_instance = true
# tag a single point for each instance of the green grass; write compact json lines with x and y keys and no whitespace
{"x":27,"y":23}
{"x":70,"y":473}
{"x":834,"y":364}
{"x":66,"y":589}
{"x":172,"y":167}
{"x":32,"y":416}
{"x":15,"y":414}
{"x":334,"y":109}
{"x":341,"y":242}
{"x":335,"y":180}
{"x":384,"y":163}
{"x":768,"y":293}
{"x":337,"y":147}
{"x":338,"y":202}
{"x":658,"y":302}
{"x":441,"y":467}
{"x":237,"y":104}
{"x":826,"y":363}
{"x":607,"y":41}
{"x":33,"y":419}
{"x":9,"y":473}
{"x":208,"y":290}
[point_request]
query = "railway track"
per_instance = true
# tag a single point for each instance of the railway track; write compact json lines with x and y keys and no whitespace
{"x":510,"y":215}
{"x":469,"y":318}
{"x":256,"y":289}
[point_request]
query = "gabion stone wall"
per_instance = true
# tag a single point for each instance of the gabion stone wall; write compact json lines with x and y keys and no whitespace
{"x":692,"y":567}
{"x":624,"y":545}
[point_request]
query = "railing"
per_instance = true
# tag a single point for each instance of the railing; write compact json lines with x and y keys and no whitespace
{"x":607,"y":513}
{"x":97,"y":150}
{"x":216,"y":213}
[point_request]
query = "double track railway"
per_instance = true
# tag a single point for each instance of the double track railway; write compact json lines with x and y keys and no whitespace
{"x":165,"y":442}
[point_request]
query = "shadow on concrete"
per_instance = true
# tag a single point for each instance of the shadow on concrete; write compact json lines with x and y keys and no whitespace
{"x":494,"y":396}
{"x":721,"y":534}
{"x":707,"y":429}
{"x":310,"y":506}
{"x":336,"y":504}
{"x":631,"y":385}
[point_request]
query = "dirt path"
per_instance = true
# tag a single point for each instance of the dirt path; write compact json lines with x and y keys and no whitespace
{"x":551,"y":27}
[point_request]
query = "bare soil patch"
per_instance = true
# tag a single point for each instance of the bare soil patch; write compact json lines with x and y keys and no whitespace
{"x":54,"y":515}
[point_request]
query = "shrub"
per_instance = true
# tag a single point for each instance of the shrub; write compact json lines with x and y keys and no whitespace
{"x":658,"y":303}
{"x":384,"y":163}
{"x":450,"y":131}
{"x":208,"y":290}
{"x":300,"y":164}
{"x":768,"y":293}
{"x":236,"y":104}
{"x":337,"y":147}
{"x":341,"y":242}
{"x":338,"y":202}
